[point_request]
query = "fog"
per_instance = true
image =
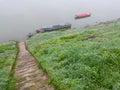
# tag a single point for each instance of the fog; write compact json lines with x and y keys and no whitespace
{"x":19,"y":17}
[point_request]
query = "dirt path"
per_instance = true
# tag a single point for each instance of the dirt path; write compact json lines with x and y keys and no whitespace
{"x":28,"y":75}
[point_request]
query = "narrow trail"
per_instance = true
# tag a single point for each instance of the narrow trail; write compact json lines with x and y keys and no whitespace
{"x":27,"y":73}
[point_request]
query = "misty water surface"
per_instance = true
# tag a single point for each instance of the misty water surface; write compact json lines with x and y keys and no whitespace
{"x":19,"y":17}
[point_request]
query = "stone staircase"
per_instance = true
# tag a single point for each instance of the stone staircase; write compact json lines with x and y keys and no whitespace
{"x":27,"y":73}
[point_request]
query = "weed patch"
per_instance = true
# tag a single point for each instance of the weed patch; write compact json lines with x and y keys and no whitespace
{"x":8,"y":53}
{"x":88,"y":60}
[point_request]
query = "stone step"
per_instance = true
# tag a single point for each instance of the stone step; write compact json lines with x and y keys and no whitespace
{"x":25,"y":62}
{"x":25,"y":69}
{"x":26,"y":86}
{"x":35,"y":80}
{"x":27,"y":73}
{"x":26,"y":66}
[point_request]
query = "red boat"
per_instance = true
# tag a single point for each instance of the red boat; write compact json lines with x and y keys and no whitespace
{"x":82,"y":15}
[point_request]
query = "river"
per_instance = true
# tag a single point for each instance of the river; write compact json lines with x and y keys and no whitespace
{"x":19,"y":17}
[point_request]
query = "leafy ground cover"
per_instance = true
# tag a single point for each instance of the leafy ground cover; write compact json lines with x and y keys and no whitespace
{"x":8,"y":53}
{"x":87,"y":59}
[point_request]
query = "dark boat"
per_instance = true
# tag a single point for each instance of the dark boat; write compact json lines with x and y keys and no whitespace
{"x":82,"y":15}
{"x":54,"y":27}
{"x":30,"y":35}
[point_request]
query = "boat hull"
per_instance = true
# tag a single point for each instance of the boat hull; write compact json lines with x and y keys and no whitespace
{"x":83,"y":15}
{"x":54,"y":27}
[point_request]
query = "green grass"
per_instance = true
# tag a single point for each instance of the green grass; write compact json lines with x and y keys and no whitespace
{"x":8,"y":53}
{"x":87,"y":59}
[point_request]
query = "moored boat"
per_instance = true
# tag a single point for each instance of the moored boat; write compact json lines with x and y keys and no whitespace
{"x":82,"y":15}
{"x":54,"y":27}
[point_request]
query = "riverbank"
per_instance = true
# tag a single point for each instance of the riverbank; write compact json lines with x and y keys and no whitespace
{"x":74,"y":59}
{"x":80,"y":59}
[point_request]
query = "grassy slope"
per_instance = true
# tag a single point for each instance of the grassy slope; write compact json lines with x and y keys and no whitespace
{"x":8,"y":53}
{"x":80,"y":60}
